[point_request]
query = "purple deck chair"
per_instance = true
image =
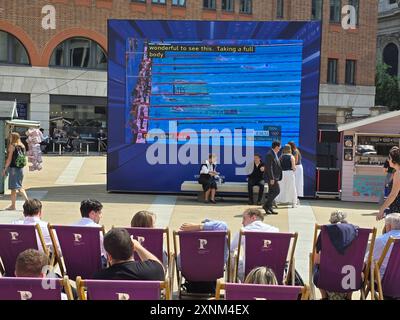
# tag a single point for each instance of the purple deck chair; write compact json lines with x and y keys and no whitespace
{"x":202,"y":255}
{"x":80,"y":249}
{"x":152,"y":239}
{"x":15,"y":238}
{"x":245,"y":291}
{"x":334,"y":266}
{"x":33,"y":289}
{"x":121,"y":290}
{"x":267,"y":249}
{"x":389,"y":285}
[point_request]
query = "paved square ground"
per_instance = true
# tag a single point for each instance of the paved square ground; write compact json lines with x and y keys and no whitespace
{"x":65,"y":181}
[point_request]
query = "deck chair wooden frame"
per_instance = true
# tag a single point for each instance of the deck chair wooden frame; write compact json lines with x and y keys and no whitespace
{"x":57,"y":255}
{"x":42,"y":243}
{"x":82,"y":294}
{"x":305,"y":292}
{"x":375,"y":279}
{"x":174,"y":267}
{"x":290,"y":277}
{"x":366,"y":270}
{"x":67,"y":287}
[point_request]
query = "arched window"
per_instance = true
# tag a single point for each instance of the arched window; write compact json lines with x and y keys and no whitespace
{"x":79,"y":53}
{"x":391,"y":58}
{"x":12,"y":51}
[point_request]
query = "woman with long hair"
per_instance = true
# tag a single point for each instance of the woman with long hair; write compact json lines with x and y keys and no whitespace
{"x":287,"y":185}
{"x":16,"y":160}
{"x":299,"y":173}
{"x":392,"y":203}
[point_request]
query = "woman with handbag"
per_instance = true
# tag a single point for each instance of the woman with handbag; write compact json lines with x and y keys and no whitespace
{"x":208,"y":178}
{"x":15,"y":163}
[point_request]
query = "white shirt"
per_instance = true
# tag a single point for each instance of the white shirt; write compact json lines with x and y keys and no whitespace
{"x":254,"y":226}
{"x":87,"y":222}
{"x":43,"y":227}
{"x":380,"y":243}
{"x":207,"y":167}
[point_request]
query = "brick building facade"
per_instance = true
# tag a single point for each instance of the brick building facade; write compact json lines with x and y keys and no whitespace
{"x":42,"y":86}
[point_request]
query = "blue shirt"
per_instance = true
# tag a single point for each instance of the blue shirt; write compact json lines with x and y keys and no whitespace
{"x":380,"y":243}
{"x":216,"y":225}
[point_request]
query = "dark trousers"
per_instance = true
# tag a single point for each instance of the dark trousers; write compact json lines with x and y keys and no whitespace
{"x":251,"y":183}
{"x":273,"y":191}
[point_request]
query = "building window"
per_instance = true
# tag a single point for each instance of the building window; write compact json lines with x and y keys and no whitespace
{"x":245,"y":6}
{"x":356,"y":5}
{"x":209,"y":4}
{"x":335,"y":10}
{"x":84,"y":119}
{"x":279,"y":9}
{"x":391,"y":58}
{"x":79,"y":53}
{"x":350,"y":72}
{"x":12,"y":50}
{"x":317,"y":9}
{"x":227,"y":5}
{"x":144,"y":1}
{"x":179,"y":3}
{"x":332,"y":71}
{"x":158,"y":1}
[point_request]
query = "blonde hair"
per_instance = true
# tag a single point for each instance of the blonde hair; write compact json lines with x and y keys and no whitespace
{"x":15,"y":138}
{"x":261,"y":275}
{"x":338,"y":217}
{"x":287,"y":149}
{"x":143,"y":219}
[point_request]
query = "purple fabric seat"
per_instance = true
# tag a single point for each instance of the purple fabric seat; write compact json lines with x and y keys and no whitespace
{"x":152,"y":239}
{"x":14,"y":239}
{"x":121,"y":290}
{"x":201,"y":255}
{"x":80,"y":249}
{"x":389,"y":286}
{"x":244,"y":291}
{"x":335,"y":268}
{"x":32,"y":289}
{"x":267,"y":249}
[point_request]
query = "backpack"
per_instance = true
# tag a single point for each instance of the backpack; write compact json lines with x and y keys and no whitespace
{"x":20,"y":159}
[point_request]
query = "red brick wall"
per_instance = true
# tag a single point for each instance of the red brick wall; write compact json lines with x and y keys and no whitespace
{"x":88,"y":18}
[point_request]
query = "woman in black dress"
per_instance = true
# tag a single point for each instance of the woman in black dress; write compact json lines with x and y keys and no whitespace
{"x":393,"y":200}
{"x":208,"y":178}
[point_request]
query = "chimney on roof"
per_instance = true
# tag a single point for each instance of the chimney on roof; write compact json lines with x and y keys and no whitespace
{"x":377,"y":110}
{"x":342,"y":114}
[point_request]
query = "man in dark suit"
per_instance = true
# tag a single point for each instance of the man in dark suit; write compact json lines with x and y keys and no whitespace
{"x":273,"y":174}
{"x":256,"y":178}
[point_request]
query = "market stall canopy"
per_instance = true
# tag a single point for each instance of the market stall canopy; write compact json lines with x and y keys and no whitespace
{"x":367,"y":121}
{"x":23,"y":123}
{"x":8,"y":110}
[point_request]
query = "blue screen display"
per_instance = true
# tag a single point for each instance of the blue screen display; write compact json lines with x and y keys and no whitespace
{"x":175,"y":86}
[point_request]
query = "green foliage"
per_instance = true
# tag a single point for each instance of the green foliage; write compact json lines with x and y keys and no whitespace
{"x":387,"y":88}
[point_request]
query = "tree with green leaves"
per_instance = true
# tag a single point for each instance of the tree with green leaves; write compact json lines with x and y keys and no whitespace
{"x":387,"y":88}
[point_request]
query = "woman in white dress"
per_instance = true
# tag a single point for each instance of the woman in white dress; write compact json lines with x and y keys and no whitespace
{"x":299,"y":173}
{"x":287,"y":185}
